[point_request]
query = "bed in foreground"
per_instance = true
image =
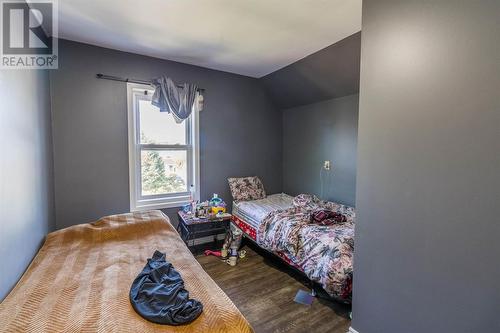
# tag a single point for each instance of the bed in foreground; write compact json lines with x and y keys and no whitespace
{"x":81,"y":277}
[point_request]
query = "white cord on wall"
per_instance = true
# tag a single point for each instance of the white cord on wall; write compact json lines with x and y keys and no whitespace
{"x":321,"y":182}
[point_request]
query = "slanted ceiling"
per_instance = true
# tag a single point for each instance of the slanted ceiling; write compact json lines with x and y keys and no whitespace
{"x":251,"y":38}
{"x":329,"y":73}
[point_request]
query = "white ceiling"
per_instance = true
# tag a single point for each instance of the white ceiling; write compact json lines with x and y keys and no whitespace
{"x":248,"y":37}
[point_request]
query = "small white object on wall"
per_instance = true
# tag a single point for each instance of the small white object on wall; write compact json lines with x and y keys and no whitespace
{"x":327,"y":165}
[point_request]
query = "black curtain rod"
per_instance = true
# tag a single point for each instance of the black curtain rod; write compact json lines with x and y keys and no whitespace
{"x":123,"y":79}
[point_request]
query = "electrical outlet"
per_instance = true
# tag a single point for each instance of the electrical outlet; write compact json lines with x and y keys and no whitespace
{"x":326,"y":165}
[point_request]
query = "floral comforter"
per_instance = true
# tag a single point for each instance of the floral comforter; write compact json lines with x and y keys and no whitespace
{"x":323,"y":252}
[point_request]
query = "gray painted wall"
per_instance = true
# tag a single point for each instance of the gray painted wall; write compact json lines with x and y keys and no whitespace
{"x":315,"y":133}
{"x":329,"y":73}
{"x":427,"y":234}
{"x":240,"y":130}
{"x":26,"y":178}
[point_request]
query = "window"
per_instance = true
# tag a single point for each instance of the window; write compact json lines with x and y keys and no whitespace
{"x":163,"y":155}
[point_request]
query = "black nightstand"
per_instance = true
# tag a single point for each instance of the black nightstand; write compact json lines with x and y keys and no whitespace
{"x":191,"y":228}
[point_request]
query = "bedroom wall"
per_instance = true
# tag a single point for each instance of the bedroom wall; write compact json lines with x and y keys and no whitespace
{"x":317,"y":132}
{"x":240,"y":130}
{"x":427,"y":249}
{"x":26,"y":178}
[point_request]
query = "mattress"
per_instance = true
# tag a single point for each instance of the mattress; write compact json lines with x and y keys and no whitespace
{"x":80,"y":281}
{"x":282,"y":225}
{"x":253,"y":212}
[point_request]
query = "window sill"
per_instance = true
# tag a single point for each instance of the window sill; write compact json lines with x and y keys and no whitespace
{"x":142,"y":206}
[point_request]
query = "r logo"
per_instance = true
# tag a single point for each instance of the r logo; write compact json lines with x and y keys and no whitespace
{"x":29,"y":34}
{"x":23,"y":28}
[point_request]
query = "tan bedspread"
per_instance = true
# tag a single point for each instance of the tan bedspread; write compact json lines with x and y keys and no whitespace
{"x":80,"y":280}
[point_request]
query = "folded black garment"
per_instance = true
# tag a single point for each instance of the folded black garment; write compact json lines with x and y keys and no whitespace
{"x":158,"y":294}
{"x":327,"y":217}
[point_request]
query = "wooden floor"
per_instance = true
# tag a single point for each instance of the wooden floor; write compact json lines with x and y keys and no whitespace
{"x":263,"y":289}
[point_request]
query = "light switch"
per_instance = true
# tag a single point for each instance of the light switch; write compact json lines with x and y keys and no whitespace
{"x":326,"y":165}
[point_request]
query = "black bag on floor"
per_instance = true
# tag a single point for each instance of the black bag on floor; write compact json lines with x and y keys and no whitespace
{"x":158,"y":294}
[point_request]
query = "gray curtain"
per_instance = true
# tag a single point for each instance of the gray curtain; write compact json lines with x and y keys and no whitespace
{"x":180,"y":101}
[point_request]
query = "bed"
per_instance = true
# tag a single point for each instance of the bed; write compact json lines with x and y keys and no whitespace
{"x":248,"y":215}
{"x":80,"y":280}
{"x":281,"y":224}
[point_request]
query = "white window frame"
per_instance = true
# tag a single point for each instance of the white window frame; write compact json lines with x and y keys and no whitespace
{"x":135,"y":93}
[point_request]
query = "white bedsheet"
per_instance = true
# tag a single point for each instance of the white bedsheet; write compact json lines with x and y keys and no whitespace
{"x":254,"y":211}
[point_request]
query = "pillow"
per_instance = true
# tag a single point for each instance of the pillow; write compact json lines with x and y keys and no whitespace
{"x":306,"y":201}
{"x":246,"y":188}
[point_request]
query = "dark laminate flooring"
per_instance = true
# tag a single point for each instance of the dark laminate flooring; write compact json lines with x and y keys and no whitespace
{"x":263,"y":289}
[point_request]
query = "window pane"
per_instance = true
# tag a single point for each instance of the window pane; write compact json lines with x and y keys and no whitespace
{"x":159,"y":127}
{"x":163,"y":171}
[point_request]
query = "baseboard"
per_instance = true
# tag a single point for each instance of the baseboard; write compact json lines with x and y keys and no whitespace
{"x":352,"y":330}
